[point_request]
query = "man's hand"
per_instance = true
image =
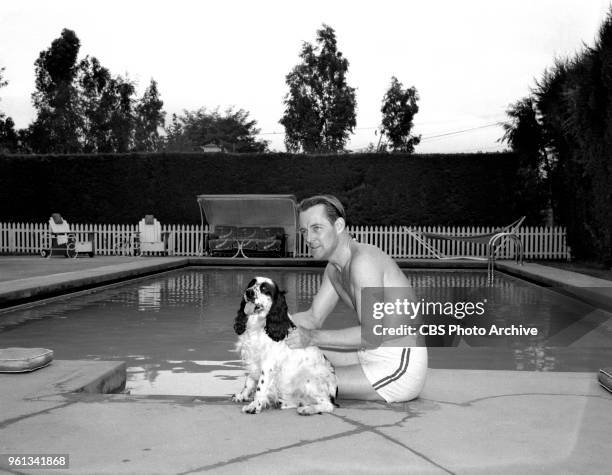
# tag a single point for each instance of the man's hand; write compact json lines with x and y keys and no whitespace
{"x":299,"y":337}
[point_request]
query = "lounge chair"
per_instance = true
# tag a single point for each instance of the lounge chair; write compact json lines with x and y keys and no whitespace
{"x":494,"y":240}
{"x":150,"y":236}
{"x":64,"y":241}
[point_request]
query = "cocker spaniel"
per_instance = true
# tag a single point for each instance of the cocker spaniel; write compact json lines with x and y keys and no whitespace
{"x":278,"y":375}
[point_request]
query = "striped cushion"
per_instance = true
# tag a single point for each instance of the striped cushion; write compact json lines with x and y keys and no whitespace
{"x":247,"y":232}
{"x":19,"y":360}
{"x":271,"y":233}
{"x":224,"y":232}
{"x":605,"y":378}
{"x":222,"y":244}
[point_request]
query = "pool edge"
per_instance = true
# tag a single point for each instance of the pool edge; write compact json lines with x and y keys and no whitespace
{"x":590,"y":290}
{"x":22,"y":291}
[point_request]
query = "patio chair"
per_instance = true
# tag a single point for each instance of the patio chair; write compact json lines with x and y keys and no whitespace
{"x":62,"y":240}
{"x":150,"y":237}
{"x":494,"y":240}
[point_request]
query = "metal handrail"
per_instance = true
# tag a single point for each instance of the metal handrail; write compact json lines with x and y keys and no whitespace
{"x":518,"y":256}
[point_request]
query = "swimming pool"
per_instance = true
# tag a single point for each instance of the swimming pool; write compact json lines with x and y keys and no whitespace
{"x":174,"y":330}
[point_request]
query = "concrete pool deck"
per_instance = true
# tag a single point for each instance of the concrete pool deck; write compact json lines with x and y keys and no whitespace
{"x":466,"y":421}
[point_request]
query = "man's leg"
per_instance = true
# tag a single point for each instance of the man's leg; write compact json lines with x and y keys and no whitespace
{"x":352,"y":382}
{"x":341,"y":358}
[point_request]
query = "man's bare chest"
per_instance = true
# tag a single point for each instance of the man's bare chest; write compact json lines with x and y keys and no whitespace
{"x":342,"y":285}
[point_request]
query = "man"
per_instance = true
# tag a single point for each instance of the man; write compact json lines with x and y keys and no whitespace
{"x":392,"y":374}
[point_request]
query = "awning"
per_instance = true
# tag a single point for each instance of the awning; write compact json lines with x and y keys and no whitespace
{"x":252,"y":210}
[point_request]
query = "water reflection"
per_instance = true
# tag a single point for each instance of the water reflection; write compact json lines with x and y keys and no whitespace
{"x":186,"y":378}
{"x":534,"y":357}
{"x":149,"y":297}
{"x":175,"y":331}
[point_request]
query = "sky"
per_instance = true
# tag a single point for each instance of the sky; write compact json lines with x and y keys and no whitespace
{"x":468,"y":59}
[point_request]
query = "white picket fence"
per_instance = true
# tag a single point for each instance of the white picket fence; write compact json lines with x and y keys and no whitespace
{"x":539,"y":242}
{"x":189,"y":240}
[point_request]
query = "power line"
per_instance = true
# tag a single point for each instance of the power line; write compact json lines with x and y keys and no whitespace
{"x":499,"y":115}
{"x":445,"y":134}
{"x":492,"y":124}
{"x":430,"y":122}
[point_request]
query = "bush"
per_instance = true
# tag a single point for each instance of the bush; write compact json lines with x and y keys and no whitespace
{"x":476,"y":189}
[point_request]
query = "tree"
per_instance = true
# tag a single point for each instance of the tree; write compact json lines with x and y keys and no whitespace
{"x":8,"y":136}
{"x":398,"y":109}
{"x":320,"y":106}
{"x":2,"y":81}
{"x":176,"y":139}
{"x":96,"y":100}
{"x":525,"y":136}
{"x":233,"y":131}
{"x":82,"y":107}
{"x":572,"y":103}
{"x":122,"y":119}
{"x":149,"y":117}
{"x":109,"y":110}
{"x":58,"y":125}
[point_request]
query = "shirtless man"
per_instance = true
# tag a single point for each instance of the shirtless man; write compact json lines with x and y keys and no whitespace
{"x":393,"y":374}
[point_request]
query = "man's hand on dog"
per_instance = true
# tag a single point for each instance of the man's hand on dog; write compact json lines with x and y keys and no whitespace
{"x":299,"y":337}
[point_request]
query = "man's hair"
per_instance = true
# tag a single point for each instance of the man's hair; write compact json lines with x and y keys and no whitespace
{"x":332,"y":205}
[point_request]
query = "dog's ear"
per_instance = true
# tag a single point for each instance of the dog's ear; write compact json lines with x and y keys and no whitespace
{"x":241,"y":319}
{"x":278,"y":322}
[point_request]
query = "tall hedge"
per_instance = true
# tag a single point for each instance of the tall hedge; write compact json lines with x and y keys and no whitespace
{"x":574,"y":101}
{"x":392,"y":189}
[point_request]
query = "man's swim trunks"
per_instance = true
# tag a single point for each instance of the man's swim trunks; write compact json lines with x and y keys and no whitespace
{"x":396,"y":373}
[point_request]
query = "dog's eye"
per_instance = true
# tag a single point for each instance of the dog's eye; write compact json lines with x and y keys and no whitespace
{"x":266,"y":288}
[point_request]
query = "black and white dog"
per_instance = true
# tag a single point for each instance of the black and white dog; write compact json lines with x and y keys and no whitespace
{"x":300,"y":378}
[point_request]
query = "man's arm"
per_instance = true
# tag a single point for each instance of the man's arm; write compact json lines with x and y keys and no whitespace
{"x":322,"y":305}
{"x":345,"y":339}
{"x":364,"y":273}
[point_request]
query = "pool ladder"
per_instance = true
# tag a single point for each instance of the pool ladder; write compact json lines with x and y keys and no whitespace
{"x":493,"y":248}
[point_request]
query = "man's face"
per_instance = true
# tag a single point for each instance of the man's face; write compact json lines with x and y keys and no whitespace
{"x":320,"y":234}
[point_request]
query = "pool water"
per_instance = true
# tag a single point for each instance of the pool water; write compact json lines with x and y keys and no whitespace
{"x":174,"y":330}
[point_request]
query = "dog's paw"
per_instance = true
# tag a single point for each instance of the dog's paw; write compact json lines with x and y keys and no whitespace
{"x":240,"y":397}
{"x":319,"y":408}
{"x":307,"y":410}
{"x":253,"y":408}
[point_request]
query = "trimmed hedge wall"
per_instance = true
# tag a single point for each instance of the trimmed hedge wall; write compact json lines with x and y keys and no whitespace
{"x":477,"y":189}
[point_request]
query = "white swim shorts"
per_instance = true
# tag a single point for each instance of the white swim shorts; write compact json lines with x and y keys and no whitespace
{"x":396,"y":373}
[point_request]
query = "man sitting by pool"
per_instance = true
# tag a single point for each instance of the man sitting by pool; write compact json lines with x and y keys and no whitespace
{"x":393,"y":374}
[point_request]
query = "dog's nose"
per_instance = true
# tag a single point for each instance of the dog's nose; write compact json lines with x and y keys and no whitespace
{"x":250,"y":293}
